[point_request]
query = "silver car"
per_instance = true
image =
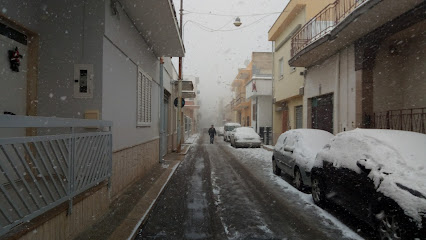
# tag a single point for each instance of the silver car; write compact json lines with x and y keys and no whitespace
{"x":228,"y":129}
{"x":295,"y":153}
{"x":245,"y":137}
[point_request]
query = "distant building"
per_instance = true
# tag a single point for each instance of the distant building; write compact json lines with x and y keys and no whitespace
{"x":259,"y":91}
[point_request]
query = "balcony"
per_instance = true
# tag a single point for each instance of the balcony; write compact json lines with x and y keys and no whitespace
{"x":342,"y":23}
{"x":39,"y":173}
{"x":413,"y":120}
{"x":323,"y":23}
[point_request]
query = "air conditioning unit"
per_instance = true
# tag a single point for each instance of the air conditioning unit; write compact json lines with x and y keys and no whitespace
{"x":278,"y":109}
{"x":301,"y":91}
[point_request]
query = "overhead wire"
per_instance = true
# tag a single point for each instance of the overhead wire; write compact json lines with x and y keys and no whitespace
{"x":229,"y":15}
{"x":208,"y":29}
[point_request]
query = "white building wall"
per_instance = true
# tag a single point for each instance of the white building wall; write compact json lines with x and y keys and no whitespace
{"x":73,"y":38}
{"x":124,"y":51}
{"x":334,"y":75}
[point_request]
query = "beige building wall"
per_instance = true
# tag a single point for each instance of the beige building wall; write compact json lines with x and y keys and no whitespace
{"x":287,"y":85}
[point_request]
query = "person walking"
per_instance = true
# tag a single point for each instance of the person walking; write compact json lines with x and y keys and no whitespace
{"x":212,"y":132}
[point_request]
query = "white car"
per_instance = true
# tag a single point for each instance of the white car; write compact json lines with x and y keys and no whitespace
{"x":220,"y":131}
{"x":228,"y":128}
{"x":295,"y":153}
{"x":245,"y":137}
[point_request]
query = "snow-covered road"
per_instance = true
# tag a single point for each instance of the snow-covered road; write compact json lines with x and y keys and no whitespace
{"x":219,"y":192}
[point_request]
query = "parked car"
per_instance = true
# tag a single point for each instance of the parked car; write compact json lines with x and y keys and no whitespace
{"x":295,"y":152}
{"x":377,"y":175}
{"x":245,"y":137}
{"x":220,"y":131}
{"x":228,"y":128}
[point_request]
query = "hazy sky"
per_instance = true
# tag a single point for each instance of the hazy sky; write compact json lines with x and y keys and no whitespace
{"x":216,"y":56}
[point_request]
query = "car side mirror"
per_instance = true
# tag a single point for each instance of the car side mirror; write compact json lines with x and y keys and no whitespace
{"x":288,"y":149}
{"x":361,"y":165}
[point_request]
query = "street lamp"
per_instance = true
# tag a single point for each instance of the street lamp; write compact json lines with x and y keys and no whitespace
{"x":237,"y":22}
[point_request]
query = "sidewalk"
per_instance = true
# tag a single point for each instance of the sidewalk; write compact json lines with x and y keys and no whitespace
{"x":131,"y":209}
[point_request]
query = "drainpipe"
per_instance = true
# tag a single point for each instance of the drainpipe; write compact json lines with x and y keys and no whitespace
{"x":162,"y":115}
{"x":273,"y":90}
{"x":257,"y":112}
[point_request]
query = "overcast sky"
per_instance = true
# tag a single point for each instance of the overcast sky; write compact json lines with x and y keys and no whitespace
{"x":216,"y":56}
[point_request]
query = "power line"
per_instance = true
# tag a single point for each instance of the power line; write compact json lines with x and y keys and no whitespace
{"x":229,"y":15}
{"x":208,"y":29}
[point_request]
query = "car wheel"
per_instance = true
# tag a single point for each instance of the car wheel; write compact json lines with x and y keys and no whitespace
{"x":390,"y":227}
{"x":318,"y":191}
{"x":275,"y":168}
{"x":298,"y":181}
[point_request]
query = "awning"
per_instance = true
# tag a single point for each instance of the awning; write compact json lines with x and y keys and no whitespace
{"x":156,"y":21}
{"x":187,"y":94}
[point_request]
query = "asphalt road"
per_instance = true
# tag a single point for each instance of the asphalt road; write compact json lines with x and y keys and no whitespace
{"x":223,"y":193}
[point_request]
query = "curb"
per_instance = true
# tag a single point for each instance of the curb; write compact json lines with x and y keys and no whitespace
{"x":144,"y":217}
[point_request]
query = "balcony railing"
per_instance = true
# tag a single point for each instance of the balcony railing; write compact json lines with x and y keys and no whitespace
{"x":38,"y":173}
{"x":323,"y":23}
{"x":406,"y":119}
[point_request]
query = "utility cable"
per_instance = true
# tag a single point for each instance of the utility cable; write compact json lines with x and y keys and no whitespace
{"x":208,"y":29}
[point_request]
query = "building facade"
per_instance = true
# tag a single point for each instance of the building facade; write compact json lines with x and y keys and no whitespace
{"x":259,"y":91}
{"x":288,"y":82}
{"x":101,"y":60}
{"x":364,"y":69}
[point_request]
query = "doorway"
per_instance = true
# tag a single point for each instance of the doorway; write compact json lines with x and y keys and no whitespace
{"x":322,"y":112}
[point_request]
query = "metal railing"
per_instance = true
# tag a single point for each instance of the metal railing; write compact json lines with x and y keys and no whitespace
{"x":405,"y":119}
{"x":38,"y":173}
{"x":323,"y":23}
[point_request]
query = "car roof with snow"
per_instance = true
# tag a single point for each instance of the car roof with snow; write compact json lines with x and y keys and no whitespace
{"x":306,"y":144}
{"x":232,"y":124}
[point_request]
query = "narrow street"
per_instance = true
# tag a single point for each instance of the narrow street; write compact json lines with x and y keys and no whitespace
{"x":219,"y":192}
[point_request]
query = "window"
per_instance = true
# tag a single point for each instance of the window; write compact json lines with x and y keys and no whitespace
{"x":144,"y":99}
{"x":299,"y":116}
{"x":281,"y":67}
{"x":254,"y":112}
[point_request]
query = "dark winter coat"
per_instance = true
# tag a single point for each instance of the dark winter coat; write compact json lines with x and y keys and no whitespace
{"x":212,"y":132}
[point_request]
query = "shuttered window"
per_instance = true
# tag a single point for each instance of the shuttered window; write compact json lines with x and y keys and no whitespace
{"x":299,"y":116}
{"x":144,"y":99}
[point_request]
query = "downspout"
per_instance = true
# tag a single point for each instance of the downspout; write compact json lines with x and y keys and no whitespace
{"x":273,"y":90}
{"x":337,"y":100}
{"x":160,"y":160}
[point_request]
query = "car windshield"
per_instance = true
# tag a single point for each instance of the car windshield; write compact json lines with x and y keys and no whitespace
{"x":212,"y":119}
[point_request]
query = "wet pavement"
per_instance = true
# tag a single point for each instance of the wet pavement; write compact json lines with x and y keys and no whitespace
{"x":219,"y":192}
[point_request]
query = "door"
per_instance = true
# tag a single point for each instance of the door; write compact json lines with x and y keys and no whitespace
{"x":284,"y":126}
{"x":288,"y":159}
{"x":322,"y":112}
{"x":13,"y":84}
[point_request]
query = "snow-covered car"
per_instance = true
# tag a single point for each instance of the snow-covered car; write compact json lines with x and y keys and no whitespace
{"x":228,"y":129}
{"x":295,"y":152}
{"x":377,"y":175}
{"x":220,"y":131}
{"x":245,"y":137}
